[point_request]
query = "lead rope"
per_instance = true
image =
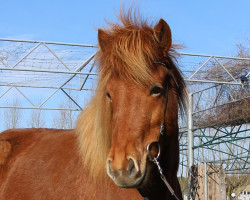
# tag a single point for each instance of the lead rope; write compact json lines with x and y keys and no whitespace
{"x":164,"y":178}
{"x":156,"y":162}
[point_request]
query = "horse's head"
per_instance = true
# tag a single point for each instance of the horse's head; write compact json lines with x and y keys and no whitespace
{"x":136,"y":91}
{"x":137,"y":113}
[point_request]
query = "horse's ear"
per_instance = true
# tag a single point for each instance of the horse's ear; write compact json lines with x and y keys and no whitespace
{"x":163,"y":33}
{"x":102,"y":39}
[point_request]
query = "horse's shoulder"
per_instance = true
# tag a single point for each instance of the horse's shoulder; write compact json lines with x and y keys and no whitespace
{"x":15,"y":141}
{"x":5,"y":149}
{"x":8,"y":139}
{"x":23,"y":134}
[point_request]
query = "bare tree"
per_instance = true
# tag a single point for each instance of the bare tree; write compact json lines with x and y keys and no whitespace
{"x":36,"y":119}
{"x":66,"y":117}
{"x":64,"y":120}
{"x":236,"y":183}
{"x":12,"y":115}
{"x":234,"y":99}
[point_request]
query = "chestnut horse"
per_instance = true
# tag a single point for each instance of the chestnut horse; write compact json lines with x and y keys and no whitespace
{"x":106,"y":156}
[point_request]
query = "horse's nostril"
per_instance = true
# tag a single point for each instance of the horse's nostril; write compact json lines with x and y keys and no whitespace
{"x":109,"y":169}
{"x":131,"y":168}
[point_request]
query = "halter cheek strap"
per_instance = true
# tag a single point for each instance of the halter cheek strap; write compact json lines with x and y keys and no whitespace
{"x":167,"y":66}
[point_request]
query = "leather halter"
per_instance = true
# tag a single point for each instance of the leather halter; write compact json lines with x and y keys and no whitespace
{"x":163,"y":123}
{"x":157,"y":143}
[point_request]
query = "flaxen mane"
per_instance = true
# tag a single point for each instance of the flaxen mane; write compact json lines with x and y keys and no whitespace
{"x":128,"y":55}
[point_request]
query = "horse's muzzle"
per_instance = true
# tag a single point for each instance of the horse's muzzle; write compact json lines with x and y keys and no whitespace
{"x":126,"y":175}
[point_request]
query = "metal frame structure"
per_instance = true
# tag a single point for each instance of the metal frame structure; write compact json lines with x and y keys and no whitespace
{"x":27,"y":64}
{"x":204,"y":99}
{"x":59,"y":70}
{"x":223,"y":143}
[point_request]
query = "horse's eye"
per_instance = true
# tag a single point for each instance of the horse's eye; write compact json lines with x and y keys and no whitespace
{"x":108,"y":95}
{"x":156,"y":91}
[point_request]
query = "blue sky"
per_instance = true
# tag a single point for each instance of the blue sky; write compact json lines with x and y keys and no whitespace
{"x":208,"y":27}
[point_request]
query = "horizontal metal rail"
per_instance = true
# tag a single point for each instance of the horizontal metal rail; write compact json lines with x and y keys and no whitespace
{"x":39,"y":108}
{"x":47,"y":42}
{"x":215,"y":56}
{"x":215,"y":82}
{"x":48,"y":71}
{"x":47,"y":87}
